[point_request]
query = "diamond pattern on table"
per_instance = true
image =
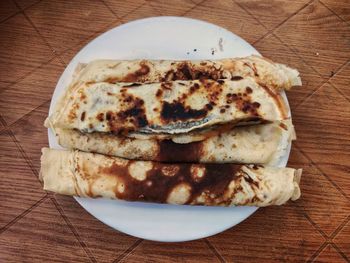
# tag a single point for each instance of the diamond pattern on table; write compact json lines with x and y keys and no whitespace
{"x":271,"y":47}
{"x":69,"y":54}
{"x":342,"y":240}
{"x":21,"y":50}
{"x":172,"y":8}
{"x":26,"y":3}
{"x":319,"y":36}
{"x":36,"y":88}
{"x":272,"y":13}
{"x":31,"y":129}
{"x":121,"y":7}
{"x":85,"y":18}
{"x":323,"y":129}
{"x":272,"y":234}
{"x":105,"y":243}
{"x":329,"y":254}
{"x":230,"y":16}
{"x":342,"y":80}
{"x":340,"y":7}
{"x":194,"y":251}
{"x":19,"y":187}
{"x":323,"y":203}
{"x":1,"y":125}
{"x":41,"y":236}
{"x":7,"y":8}
{"x":143,"y":11}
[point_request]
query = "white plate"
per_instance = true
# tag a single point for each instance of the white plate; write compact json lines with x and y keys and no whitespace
{"x":161,"y":38}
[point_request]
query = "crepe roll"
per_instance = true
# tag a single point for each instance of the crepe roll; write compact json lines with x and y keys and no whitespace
{"x":260,"y":144}
{"x":167,"y":108}
{"x":92,"y":175}
{"x":264,"y":71}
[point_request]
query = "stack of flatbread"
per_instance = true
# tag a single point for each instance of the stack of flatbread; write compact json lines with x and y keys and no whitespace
{"x":208,"y":132}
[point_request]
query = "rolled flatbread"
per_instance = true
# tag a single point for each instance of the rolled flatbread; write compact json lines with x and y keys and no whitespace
{"x":259,"y":144}
{"x":167,"y":108}
{"x":264,"y":71}
{"x":94,"y":175}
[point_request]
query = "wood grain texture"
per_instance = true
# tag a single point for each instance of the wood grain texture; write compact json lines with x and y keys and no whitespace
{"x":41,"y":236}
{"x":40,"y":227}
{"x":197,"y":1}
{"x":85,"y":18}
{"x":69,"y":54}
{"x":271,"y":13}
{"x":19,"y":38}
{"x":23,"y":4}
{"x":172,"y":8}
{"x":7,"y":8}
{"x":19,"y":187}
{"x":121,"y":7}
{"x":271,"y":47}
{"x":193,"y":251}
{"x":104,"y":243}
{"x":273,"y":234}
{"x":31,"y":129}
{"x":1,"y":123}
{"x":342,"y":80}
{"x":145,"y":10}
{"x":323,"y":126}
{"x":340,"y":7}
{"x":342,"y":240}
{"x":229,"y":15}
{"x":321,"y":201}
{"x":319,"y":36}
{"x":36,"y":88}
{"x":329,"y":254}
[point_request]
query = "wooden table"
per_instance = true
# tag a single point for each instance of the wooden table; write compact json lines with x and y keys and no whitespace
{"x":38,"y":39}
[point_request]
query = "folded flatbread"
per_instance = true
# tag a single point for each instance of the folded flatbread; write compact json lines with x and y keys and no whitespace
{"x":259,"y":144}
{"x":166,"y":108}
{"x":94,"y":175}
{"x":264,"y":71}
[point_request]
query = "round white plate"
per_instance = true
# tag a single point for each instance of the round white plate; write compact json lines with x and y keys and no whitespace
{"x":161,"y":38}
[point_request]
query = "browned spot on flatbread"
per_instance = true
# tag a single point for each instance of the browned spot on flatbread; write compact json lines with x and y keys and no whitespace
{"x":72,"y":115}
{"x":243,"y":102}
{"x":157,"y":186}
{"x":278,"y":99}
{"x":251,"y":181}
{"x":283,"y":126}
{"x":112,"y":80}
{"x":176,"y":152}
{"x":139,"y":75}
{"x":257,"y":166}
{"x":252,"y":67}
{"x":236,"y":78}
{"x":187,"y":71}
{"x":159,"y":93}
{"x":176,"y":111}
{"x":169,"y":76}
{"x":129,"y":119}
{"x":184,"y":71}
{"x":249,"y":90}
{"x":194,"y":87}
{"x":166,"y":85}
{"x":82,"y":117}
{"x":132,"y":85}
{"x":100,"y":116}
